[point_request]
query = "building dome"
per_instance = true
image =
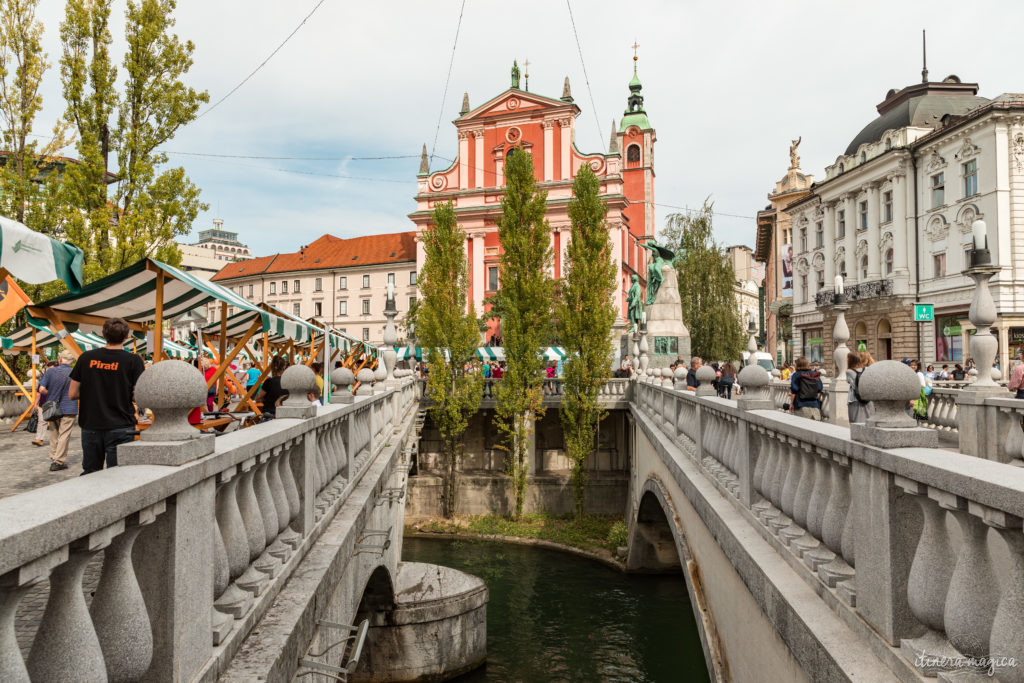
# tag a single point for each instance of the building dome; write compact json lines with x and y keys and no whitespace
{"x":921,"y":105}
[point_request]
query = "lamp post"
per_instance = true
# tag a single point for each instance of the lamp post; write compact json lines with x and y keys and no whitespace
{"x":839,"y":387}
{"x":977,"y":423}
{"x":390,"y":334}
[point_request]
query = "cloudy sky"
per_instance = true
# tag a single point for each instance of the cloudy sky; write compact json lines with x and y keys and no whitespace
{"x":727,"y":86}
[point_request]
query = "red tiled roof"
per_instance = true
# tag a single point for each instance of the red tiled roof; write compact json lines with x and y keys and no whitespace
{"x":329,"y":252}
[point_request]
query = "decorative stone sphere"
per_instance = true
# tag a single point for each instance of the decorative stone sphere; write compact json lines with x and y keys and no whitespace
{"x":775,"y":373}
{"x":889,"y":380}
{"x":170,"y":388}
{"x":380,"y":374}
{"x":298,"y":380}
{"x":680,"y":373}
{"x":342,"y":377}
{"x":365,"y":377}
{"x":706,"y":374}
{"x":753,"y":377}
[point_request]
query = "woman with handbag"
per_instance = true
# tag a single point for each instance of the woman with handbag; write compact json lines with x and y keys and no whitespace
{"x":58,"y":411}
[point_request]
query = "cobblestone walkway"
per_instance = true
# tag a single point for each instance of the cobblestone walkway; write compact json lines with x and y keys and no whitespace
{"x":24,"y":467}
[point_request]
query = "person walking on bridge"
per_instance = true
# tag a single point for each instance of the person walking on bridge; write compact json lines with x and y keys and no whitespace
{"x":805,"y":389}
{"x":103,"y":381}
{"x":54,"y":387}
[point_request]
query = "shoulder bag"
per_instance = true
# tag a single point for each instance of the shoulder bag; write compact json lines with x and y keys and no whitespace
{"x":51,"y":409}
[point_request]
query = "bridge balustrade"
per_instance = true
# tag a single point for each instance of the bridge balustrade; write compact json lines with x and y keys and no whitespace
{"x":213,"y":542}
{"x":922,"y":545}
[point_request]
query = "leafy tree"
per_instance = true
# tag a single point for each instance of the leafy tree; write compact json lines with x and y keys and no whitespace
{"x":585,"y":315}
{"x":706,"y":281}
{"x":444,"y":325}
{"x":524,"y":301}
{"x":136,"y":211}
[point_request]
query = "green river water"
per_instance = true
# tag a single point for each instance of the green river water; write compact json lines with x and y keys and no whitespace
{"x":555,"y":616}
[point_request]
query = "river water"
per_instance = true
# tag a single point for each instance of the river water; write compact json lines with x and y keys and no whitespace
{"x":555,"y":616}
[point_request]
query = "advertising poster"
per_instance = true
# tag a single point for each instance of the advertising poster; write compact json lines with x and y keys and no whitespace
{"x":787,"y":270}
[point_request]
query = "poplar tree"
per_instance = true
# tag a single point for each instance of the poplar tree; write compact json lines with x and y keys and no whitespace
{"x":136,"y":208}
{"x":29,"y":187}
{"x":524,"y":301}
{"x":443,"y":324}
{"x":585,"y":315}
{"x":706,"y":286}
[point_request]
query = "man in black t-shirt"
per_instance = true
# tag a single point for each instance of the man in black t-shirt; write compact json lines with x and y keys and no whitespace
{"x":103,"y":380}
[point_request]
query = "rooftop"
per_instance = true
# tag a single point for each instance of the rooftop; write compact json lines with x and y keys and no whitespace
{"x":329,"y":251}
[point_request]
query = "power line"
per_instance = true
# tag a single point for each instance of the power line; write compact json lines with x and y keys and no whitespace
{"x":272,"y":158}
{"x":597,"y":119}
{"x":263,"y":63}
{"x":689,"y":210}
{"x":451,"y":63}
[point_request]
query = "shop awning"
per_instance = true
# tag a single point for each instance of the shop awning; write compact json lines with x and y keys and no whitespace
{"x":554,"y":353}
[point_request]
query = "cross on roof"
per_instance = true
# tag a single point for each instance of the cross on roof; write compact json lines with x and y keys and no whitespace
{"x":635,"y":47}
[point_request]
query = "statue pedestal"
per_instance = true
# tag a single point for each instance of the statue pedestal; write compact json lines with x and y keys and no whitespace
{"x":666,"y":332}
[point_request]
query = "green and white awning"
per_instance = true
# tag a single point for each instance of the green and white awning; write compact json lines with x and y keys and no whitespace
{"x":490,"y":353}
{"x":554,"y":353}
{"x":21,"y":340}
{"x":37,"y":258}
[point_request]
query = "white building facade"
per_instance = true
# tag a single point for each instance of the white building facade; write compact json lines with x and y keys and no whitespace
{"x":894,"y":214}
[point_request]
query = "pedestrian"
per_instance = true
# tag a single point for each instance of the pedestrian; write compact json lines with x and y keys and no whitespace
{"x":857,"y":409}
{"x":103,"y":381}
{"x":39,"y":373}
{"x":805,"y":389}
{"x":930,"y":373}
{"x":919,"y":407}
{"x":958,"y":373}
{"x":271,"y":393}
{"x":691,"y":375}
{"x":1016,"y":383}
{"x":944,"y":372}
{"x":54,"y":387}
{"x":252,"y":375}
{"x":727,"y":381}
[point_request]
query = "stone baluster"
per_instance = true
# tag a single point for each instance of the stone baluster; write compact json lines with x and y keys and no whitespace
{"x":221,"y":623}
{"x":269,"y":563}
{"x":66,"y":646}
{"x":118,"y":609}
{"x":232,"y":600}
{"x":252,"y":579}
{"x":1008,"y":625}
{"x":778,"y":479}
{"x":837,"y":510}
{"x":13,"y":586}
{"x":973,"y":587}
{"x":277,"y":492}
{"x":291,"y":536}
{"x":802,"y":502}
{"x":1014,"y":442}
{"x":765,"y":509}
{"x":817,"y":511}
{"x":322,"y":469}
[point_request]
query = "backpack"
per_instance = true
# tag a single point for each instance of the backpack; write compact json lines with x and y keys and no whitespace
{"x":856,"y":387}
{"x":808,"y":389}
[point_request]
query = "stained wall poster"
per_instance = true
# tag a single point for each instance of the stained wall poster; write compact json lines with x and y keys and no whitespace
{"x":787,"y":269}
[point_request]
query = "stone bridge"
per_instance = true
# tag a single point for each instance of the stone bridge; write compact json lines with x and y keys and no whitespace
{"x":810,"y":550}
{"x":253,"y":555}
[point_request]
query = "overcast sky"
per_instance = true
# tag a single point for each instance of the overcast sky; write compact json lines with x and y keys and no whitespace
{"x":727,"y":85}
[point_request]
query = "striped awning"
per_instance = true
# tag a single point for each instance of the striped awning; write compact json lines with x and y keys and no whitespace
{"x":279,"y":329}
{"x":173,"y":349}
{"x":131,"y":294}
{"x":554,"y":353}
{"x":490,"y":353}
{"x":404,"y":354}
{"x":21,"y":340}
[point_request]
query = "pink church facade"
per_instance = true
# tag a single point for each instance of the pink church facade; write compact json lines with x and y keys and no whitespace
{"x":544,"y":127}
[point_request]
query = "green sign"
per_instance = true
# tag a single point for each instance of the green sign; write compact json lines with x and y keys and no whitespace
{"x":924,"y":313}
{"x":951,"y":330}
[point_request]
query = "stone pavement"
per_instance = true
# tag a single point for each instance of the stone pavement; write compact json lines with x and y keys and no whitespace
{"x":25,"y":467}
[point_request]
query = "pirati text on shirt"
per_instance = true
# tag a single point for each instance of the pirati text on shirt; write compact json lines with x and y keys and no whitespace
{"x":104,"y":382}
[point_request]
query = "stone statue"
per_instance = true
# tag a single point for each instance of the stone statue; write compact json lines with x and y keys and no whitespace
{"x":515,"y":74}
{"x":794,"y":158}
{"x":634,"y":303}
{"x":660,"y":257}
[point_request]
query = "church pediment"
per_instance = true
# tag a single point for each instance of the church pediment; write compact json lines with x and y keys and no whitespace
{"x":515,"y":101}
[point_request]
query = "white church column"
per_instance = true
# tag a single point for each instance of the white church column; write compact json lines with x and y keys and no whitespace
{"x":549,"y":150}
{"x":479,"y":276}
{"x":478,"y":139}
{"x":463,"y":159}
{"x":565,"y":137}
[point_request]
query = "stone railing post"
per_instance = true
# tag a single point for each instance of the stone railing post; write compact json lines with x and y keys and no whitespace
{"x":754,"y":379}
{"x":298,"y":381}
{"x":839,"y":388}
{"x":171,"y":389}
{"x":978,"y":424}
{"x":343,"y":379}
{"x":891,"y":385}
{"x":706,"y":376}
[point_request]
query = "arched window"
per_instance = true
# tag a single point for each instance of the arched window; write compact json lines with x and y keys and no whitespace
{"x":884,"y":339}
{"x":888,"y":261}
{"x":864,"y":267}
{"x":842,"y":167}
{"x":863,"y":157}
{"x":888,"y":144}
{"x":633,"y":155}
{"x":820,"y":277}
{"x":860,"y":337}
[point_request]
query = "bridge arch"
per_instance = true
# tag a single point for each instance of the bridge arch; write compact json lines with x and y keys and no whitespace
{"x":656,"y":540}
{"x":378,"y":597}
